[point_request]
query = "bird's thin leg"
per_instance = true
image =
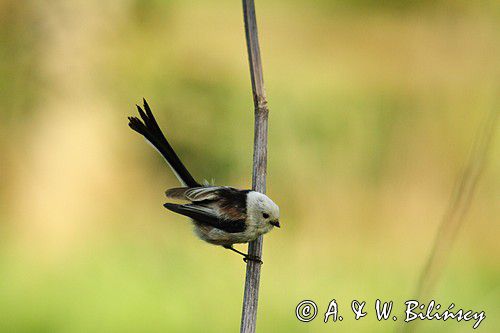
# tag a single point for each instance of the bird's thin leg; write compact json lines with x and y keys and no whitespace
{"x":246,"y":257}
{"x":234,"y":250}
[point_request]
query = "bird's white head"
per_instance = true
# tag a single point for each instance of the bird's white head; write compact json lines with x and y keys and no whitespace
{"x":262,"y":210}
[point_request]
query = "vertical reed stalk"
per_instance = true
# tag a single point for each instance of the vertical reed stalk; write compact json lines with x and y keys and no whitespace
{"x":251,"y":294}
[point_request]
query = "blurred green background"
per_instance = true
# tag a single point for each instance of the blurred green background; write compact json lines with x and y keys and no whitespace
{"x":374,"y":106}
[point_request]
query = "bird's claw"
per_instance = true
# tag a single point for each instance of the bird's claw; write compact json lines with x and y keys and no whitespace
{"x":252,"y":258}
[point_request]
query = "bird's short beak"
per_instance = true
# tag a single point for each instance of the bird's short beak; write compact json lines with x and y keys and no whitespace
{"x":276,"y":223}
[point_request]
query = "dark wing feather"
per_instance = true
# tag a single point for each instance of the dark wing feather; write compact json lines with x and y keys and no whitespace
{"x":207,"y":216}
{"x":195,"y":194}
{"x":231,"y":201}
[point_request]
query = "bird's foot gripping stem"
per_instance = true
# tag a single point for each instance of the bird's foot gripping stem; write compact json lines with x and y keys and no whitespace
{"x":252,"y":258}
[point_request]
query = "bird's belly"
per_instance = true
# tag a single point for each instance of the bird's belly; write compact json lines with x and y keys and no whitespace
{"x":219,"y":237}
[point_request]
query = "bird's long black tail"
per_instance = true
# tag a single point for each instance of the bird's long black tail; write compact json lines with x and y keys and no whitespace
{"x":149,"y":128}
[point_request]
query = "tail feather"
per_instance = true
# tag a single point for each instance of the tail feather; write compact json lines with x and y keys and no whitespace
{"x":149,"y":128}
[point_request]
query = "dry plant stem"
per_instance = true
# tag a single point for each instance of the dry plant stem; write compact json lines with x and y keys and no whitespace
{"x":459,"y":205}
{"x":251,"y":294}
{"x":457,"y":209}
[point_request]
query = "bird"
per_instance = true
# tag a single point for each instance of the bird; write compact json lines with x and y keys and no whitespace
{"x":221,"y":215}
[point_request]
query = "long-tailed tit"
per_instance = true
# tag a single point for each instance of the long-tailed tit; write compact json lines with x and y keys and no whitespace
{"x":221,"y":215}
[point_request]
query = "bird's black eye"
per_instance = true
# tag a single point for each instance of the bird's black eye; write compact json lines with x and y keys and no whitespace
{"x":265,"y":215}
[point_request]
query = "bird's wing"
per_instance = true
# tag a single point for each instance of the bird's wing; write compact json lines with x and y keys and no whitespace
{"x":207,"y":216}
{"x":230,"y":201}
{"x":195,"y":194}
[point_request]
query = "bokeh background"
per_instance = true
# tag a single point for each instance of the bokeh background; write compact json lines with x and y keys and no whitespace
{"x":374,"y":107}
